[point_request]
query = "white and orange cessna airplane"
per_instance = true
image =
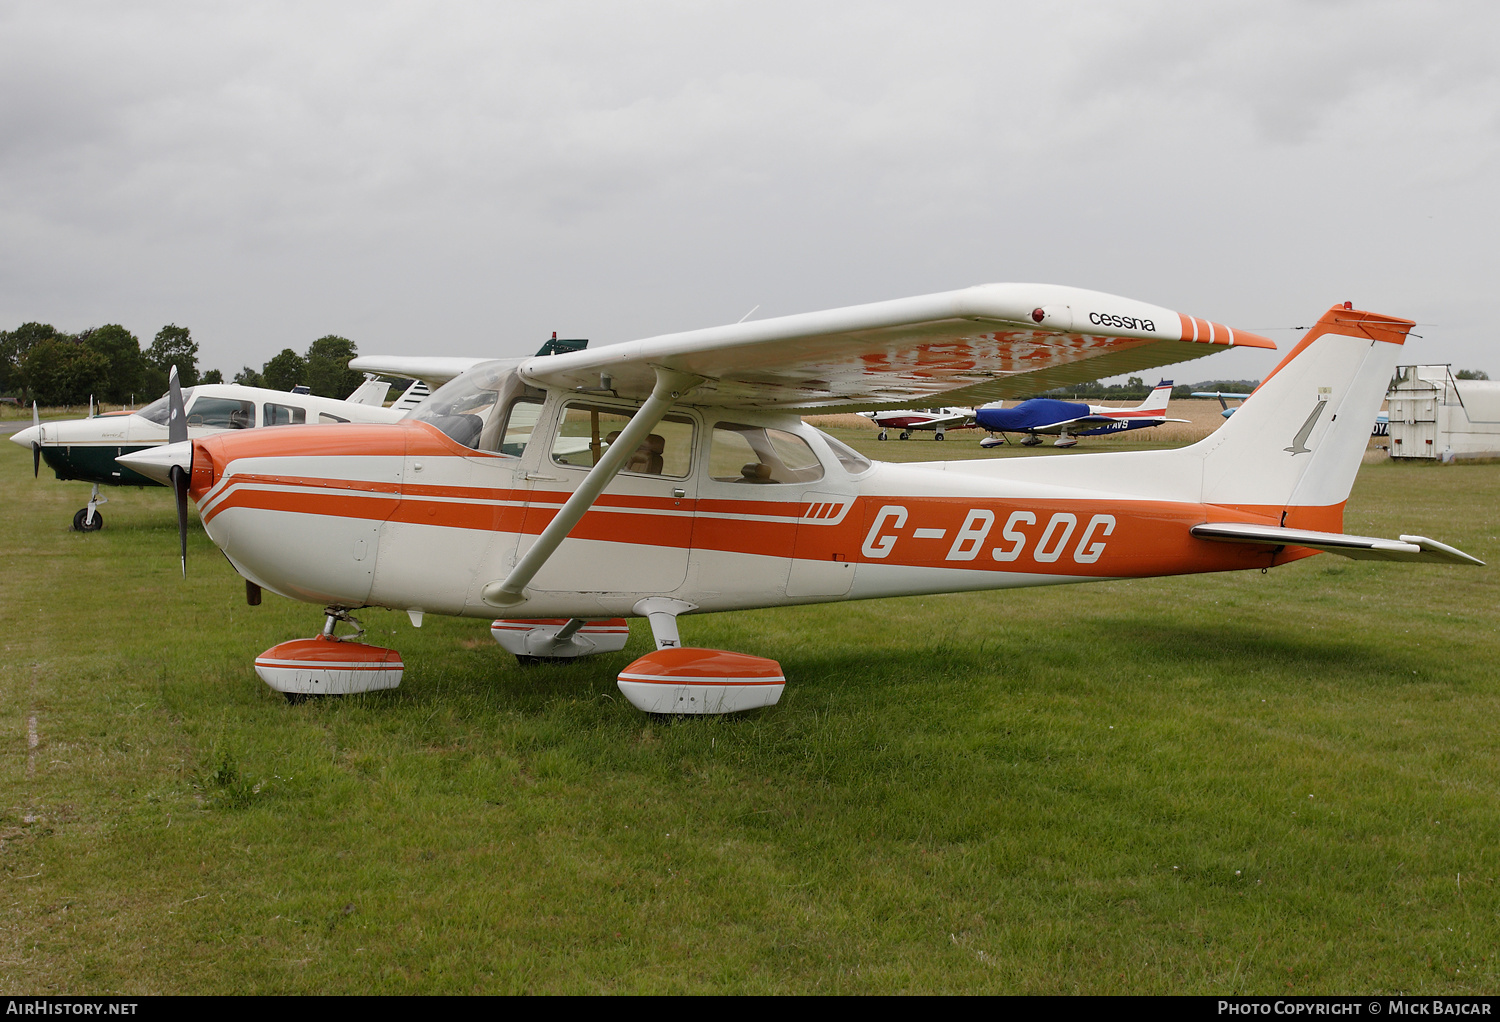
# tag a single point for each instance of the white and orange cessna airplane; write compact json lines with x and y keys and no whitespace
{"x":673,"y":475}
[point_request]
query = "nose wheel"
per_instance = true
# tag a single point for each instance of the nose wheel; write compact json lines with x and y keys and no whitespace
{"x":88,"y":519}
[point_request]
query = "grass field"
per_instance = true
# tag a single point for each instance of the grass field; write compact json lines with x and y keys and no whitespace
{"x":1239,"y":783}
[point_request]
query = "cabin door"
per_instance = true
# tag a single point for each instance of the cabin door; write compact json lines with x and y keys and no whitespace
{"x":635,"y":538}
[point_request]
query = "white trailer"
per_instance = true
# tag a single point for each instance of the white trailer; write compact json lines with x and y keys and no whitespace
{"x":1434,"y":416}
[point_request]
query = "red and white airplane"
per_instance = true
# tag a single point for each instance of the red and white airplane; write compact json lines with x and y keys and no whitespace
{"x":909,"y":420}
{"x":673,"y":476}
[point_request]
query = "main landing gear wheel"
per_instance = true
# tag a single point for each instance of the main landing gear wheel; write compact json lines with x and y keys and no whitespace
{"x":940,"y":436}
{"x":906,"y":434}
{"x":882,"y":436}
{"x":559,"y":640}
{"x":329,"y":664}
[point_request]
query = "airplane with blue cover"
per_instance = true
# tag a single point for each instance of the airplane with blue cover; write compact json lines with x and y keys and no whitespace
{"x":1069,"y":420}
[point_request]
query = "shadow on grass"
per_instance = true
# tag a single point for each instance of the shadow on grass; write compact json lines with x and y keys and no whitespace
{"x":1095,"y":647}
{"x":1091,"y":650}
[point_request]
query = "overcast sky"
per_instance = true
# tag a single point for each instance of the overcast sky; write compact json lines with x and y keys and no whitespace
{"x":456,"y":178}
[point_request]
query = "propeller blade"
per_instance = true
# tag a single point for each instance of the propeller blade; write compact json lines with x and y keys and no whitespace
{"x":180,"y":478}
{"x":36,"y":447}
{"x":177,"y":430}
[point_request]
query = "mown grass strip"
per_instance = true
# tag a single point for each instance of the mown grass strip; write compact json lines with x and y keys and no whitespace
{"x":1225,"y":783}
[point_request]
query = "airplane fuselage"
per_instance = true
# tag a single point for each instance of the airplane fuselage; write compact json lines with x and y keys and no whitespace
{"x":88,"y":450}
{"x":402,"y":516}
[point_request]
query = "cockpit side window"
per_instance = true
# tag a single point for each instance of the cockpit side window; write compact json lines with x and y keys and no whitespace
{"x":519,"y":425}
{"x":587,"y":431}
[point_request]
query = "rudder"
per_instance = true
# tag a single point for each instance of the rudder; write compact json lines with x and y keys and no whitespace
{"x":1294,"y":446}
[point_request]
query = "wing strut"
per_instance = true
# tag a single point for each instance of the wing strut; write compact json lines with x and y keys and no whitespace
{"x":670,"y":385}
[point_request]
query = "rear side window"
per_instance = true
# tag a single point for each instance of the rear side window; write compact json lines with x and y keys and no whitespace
{"x":282,"y":415}
{"x":755,"y":454}
{"x":854,"y":463}
{"x":222,"y":413}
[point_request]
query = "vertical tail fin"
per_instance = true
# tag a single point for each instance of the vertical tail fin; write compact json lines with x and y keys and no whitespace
{"x":1156,"y":401}
{"x":1295,"y":444}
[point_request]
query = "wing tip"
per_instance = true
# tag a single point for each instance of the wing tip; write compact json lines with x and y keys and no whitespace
{"x":1205,"y":331}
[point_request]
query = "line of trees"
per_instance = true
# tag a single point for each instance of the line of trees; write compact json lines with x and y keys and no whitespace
{"x":1137,"y":389}
{"x":40,"y":363}
{"x":324,"y":369}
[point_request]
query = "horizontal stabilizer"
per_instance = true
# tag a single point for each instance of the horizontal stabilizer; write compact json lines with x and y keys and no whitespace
{"x":1360,"y":548}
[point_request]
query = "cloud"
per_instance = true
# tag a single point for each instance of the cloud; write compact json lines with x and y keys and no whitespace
{"x":468,"y":177}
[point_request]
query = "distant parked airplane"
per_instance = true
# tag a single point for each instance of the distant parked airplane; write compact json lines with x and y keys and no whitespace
{"x":1221,"y":395}
{"x":909,"y":419}
{"x":87,"y":449}
{"x":1069,"y":420}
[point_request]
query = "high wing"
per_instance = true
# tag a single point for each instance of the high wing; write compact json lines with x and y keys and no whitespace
{"x":433,"y":370}
{"x":965,"y":347}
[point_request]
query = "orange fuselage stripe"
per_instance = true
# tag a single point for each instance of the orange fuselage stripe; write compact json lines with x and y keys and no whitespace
{"x":1144,"y":538}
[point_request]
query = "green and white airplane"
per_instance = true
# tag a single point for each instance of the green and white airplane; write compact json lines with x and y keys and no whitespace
{"x":87,"y":449}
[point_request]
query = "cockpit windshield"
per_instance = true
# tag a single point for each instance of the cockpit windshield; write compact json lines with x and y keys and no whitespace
{"x":467,"y":407}
{"x":158,"y":411}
